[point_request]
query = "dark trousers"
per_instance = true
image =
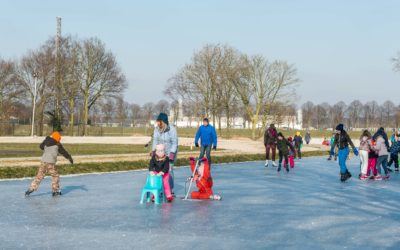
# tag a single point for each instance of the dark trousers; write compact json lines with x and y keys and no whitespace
{"x":382,"y":161}
{"x":298,"y":150}
{"x":271,"y":147}
{"x":207,"y":151}
{"x":282,"y":156}
{"x":394,"y":158}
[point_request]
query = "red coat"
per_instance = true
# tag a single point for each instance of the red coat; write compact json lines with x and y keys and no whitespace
{"x":203,"y":179}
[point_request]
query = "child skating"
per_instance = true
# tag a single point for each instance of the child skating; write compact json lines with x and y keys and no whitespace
{"x":203,"y":179}
{"x":159,"y":165}
{"x":394,"y":153}
{"x":365,"y":148}
{"x":51,"y":147}
{"x":284,"y":146}
{"x":381,"y":148}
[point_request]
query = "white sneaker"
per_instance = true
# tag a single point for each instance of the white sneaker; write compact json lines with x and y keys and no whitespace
{"x":274,"y":164}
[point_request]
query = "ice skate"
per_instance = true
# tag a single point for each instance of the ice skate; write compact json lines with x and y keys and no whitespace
{"x":329,"y":158}
{"x":396,"y":169}
{"x":363,"y":177}
{"x":28,"y":192}
{"x":386,"y":177}
{"x":215,"y":197}
{"x":274,"y":164}
{"x":56,"y":193}
{"x":378,"y":177}
{"x":266,"y":163}
{"x":279,"y":168}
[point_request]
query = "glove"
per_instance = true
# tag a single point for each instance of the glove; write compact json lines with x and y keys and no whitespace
{"x":355,"y":151}
{"x":71,"y":160}
{"x":160,"y":173}
{"x":196,"y":144}
{"x":152,"y":173}
{"x":215,"y":147}
{"x":171,"y":156}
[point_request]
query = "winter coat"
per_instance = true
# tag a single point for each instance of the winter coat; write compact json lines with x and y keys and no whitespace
{"x":168,"y":137}
{"x":365,"y":143}
{"x":207,"y":136}
{"x":308,"y":137}
{"x":298,"y":140}
{"x":395,"y":148}
{"x":270,"y":136}
{"x":284,"y":145}
{"x":380,"y":146}
{"x":158,"y":166}
{"x":51,"y":150}
{"x":343,"y":140}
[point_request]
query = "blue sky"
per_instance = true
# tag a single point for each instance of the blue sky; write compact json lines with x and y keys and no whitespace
{"x":342,"y":49}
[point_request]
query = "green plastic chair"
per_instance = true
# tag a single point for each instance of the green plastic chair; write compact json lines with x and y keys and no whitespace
{"x":154,"y":186}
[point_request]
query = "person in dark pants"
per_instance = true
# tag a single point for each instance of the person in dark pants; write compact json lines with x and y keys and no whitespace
{"x":298,"y":143}
{"x":394,"y":153}
{"x":208,"y":139}
{"x":270,"y":140}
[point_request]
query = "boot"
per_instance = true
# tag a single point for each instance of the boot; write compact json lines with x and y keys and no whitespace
{"x":56,"y":193}
{"x":266,"y":163}
{"x":28,"y":192}
{"x":279,"y":168}
{"x":274,"y":164}
{"x":342,"y":177}
{"x":329,"y":158}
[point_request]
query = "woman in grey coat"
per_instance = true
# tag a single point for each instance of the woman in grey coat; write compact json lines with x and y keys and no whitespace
{"x":166,"y":134}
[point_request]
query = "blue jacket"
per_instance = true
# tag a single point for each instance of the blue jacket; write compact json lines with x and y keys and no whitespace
{"x":207,"y":135}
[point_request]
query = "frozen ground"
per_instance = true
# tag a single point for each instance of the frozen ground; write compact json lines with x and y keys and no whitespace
{"x":306,"y":209}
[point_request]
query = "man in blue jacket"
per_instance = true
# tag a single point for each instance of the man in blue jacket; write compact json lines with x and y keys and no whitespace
{"x":208,"y":138}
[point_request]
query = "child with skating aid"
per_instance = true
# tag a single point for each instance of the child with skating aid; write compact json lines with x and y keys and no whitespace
{"x":159,"y":165}
{"x":284,"y":146}
{"x":51,"y":147}
{"x":203,"y":179}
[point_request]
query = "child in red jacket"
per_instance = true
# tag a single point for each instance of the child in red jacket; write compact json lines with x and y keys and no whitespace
{"x":203,"y":180}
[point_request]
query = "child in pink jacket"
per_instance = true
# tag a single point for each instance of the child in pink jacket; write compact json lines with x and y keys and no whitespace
{"x":159,"y":165}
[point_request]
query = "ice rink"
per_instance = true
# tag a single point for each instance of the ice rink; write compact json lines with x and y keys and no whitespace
{"x":306,"y":209}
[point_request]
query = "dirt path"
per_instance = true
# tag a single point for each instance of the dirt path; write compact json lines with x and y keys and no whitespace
{"x":229,"y":147}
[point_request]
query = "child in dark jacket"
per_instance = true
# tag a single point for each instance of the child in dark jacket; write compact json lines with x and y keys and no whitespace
{"x":283,"y":146}
{"x":51,"y":147}
{"x":159,"y":165}
{"x":394,"y":153}
{"x":292,"y":153}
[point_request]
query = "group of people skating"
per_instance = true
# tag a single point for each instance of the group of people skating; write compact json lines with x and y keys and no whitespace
{"x":288,"y":148}
{"x":163,"y":155}
{"x":374,"y":150}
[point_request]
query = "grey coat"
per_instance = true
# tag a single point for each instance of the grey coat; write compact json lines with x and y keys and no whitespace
{"x":168,"y":137}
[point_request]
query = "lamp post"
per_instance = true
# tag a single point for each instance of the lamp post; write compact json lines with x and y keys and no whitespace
{"x":35,"y":76}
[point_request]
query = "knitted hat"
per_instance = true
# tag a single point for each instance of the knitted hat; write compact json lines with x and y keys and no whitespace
{"x":163,"y":117}
{"x":340,"y":127}
{"x":56,"y":136}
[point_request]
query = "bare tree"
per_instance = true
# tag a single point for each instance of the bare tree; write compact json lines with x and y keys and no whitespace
{"x":134,"y":114}
{"x":162,"y":106}
{"x":100,"y":75}
{"x":108,"y":109}
{"x":307,"y":110}
{"x":388,"y":109}
{"x":338,"y":113}
{"x":10,"y":92}
{"x":354,"y":112}
{"x":148,"y":110}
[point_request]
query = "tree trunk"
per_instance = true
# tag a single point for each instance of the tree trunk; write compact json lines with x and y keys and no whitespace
{"x":71,"y":116}
{"x":85,"y":113}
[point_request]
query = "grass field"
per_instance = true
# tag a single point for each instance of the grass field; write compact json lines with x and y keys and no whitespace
{"x":24,"y":130}
{"x":21,"y":172}
{"x":32,"y":149}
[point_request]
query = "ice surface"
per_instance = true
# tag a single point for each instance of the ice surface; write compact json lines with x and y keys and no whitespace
{"x":306,"y":209}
